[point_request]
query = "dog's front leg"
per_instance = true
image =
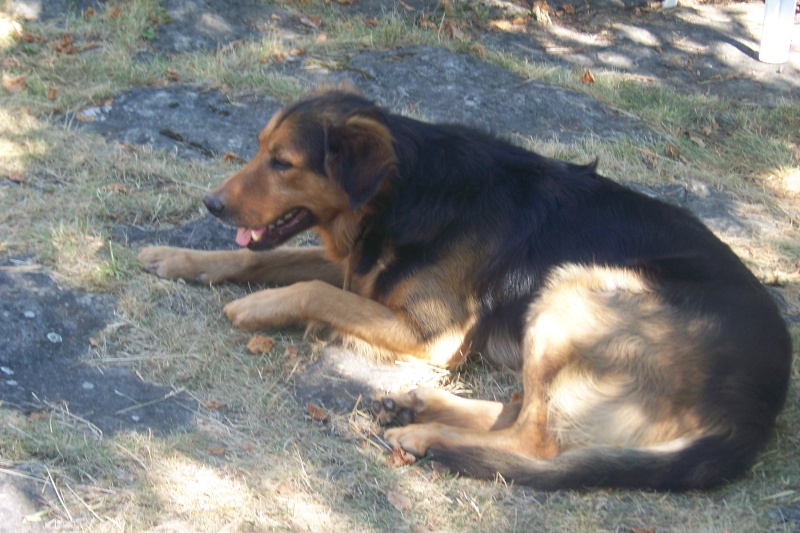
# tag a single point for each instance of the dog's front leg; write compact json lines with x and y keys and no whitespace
{"x":317,"y":301}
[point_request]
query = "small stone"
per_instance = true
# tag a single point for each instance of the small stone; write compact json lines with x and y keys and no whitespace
{"x":29,"y":314}
{"x":7,"y":371}
{"x":11,"y":382}
{"x":87,"y":385}
{"x":135,"y":418}
{"x":54,"y":337}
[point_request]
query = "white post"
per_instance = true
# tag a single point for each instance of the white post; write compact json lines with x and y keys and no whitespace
{"x":776,"y":37}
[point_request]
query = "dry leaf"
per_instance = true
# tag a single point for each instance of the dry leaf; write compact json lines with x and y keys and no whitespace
{"x":290,"y":351}
{"x":37,"y":415}
{"x":258,"y":343}
{"x":216,"y":450}
{"x":399,"y":501}
{"x":275,"y":16}
{"x":568,"y":9}
{"x":89,"y":12}
{"x":405,"y":6}
{"x":80,"y":117}
{"x":371,"y":22}
{"x":399,"y":457}
{"x":541,"y":13}
{"x":312,"y":22}
{"x":117,"y":188}
{"x":588,"y":77}
{"x":451,"y":30}
{"x":672,"y":152}
{"x":114,"y":13}
{"x":213,"y":404}
{"x":478,"y":50}
{"x":64,"y":45}
{"x":33,"y":38}
{"x":14,"y":84}
{"x":171,"y":75}
{"x":232,"y":157}
{"x":52,"y":93}
{"x":316,"y":412}
{"x":345,"y":2}
{"x":500,"y":25}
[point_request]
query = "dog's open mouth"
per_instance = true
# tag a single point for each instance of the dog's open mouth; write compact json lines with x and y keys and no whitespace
{"x":276,"y":232}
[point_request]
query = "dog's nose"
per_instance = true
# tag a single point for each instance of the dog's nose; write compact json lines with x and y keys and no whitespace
{"x":214,"y":204}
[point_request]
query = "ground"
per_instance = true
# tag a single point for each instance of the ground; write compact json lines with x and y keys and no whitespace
{"x":128,"y":403}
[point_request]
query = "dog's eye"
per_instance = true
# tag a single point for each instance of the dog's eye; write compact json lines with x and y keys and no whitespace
{"x":279,"y":164}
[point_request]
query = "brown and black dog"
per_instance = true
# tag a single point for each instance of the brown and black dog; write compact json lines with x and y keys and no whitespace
{"x":650,"y":356}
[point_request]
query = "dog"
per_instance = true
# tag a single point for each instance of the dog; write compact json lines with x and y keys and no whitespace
{"x":650,"y":356}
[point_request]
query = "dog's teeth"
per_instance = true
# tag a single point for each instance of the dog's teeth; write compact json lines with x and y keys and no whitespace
{"x":255,"y":236}
{"x":279,"y":222}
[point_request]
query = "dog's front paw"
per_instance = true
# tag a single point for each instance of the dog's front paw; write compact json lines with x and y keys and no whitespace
{"x":166,"y":262}
{"x":270,"y":308}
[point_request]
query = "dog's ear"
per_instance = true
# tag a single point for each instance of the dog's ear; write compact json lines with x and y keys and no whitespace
{"x":359,"y":156}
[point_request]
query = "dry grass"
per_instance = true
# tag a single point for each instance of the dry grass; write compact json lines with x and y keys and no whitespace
{"x":256,"y":461}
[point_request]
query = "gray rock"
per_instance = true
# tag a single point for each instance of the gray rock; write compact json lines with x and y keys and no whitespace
{"x":35,"y":369}
{"x":193,"y":123}
{"x":443,"y":86}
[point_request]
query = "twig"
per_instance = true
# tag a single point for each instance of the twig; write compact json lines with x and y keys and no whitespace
{"x":131,"y":454}
{"x":145,"y":404}
{"x":22,"y":475}
{"x":83,"y":502}
{"x":58,"y":494}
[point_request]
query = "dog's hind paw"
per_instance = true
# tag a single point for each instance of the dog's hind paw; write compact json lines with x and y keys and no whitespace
{"x":389,"y":412}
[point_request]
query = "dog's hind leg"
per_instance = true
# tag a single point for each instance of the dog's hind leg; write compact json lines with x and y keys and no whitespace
{"x":282,"y":266}
{"x":427,"y":405}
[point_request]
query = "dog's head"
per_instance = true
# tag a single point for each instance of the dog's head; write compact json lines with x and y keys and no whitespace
{"x":320,"y":158}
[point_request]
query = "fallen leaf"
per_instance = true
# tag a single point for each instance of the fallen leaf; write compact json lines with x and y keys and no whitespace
{"x":33,"y":38}
{"x":171,"y":75}
{"x":37,"y":415}
{"x":117,"y":188}
{"x":312,"y":22}
{"x":213,"y":404}
{"x":541,"y":13}
{"x":588,"y":77}
{"x":642,"y":530}
{"x":89,"y":12}
{"x":478,"y":50}
{"x":216,"y":450}
{"x":258,"y":343}
{"x":80,"y":117}
{"x":500,"y":25}
{"x":64,"y":45}
{"x":672,"y":152}
{"x":651,"y":158}
{"x":232,"y":157}
{"x":275,"y":16}
{"x":568,"y":9}
{"x":114,"y":13}
{"x":290,"y":351}
{"x":399,"y":457}
{"x":371,"y":22}
{"x":13,"y":84}
{"x":405,"y":6}
{"x":345,"y":2}
{"x":451,"y":30}
{"x":401,"y":502}
{"x":52,"y":93}
{"x":316,"y":412}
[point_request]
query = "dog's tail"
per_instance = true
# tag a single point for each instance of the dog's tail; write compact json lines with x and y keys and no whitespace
{"x":678,"y":465}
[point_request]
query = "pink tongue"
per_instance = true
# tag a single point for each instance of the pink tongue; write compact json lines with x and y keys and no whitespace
{"x":244,"y":235}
